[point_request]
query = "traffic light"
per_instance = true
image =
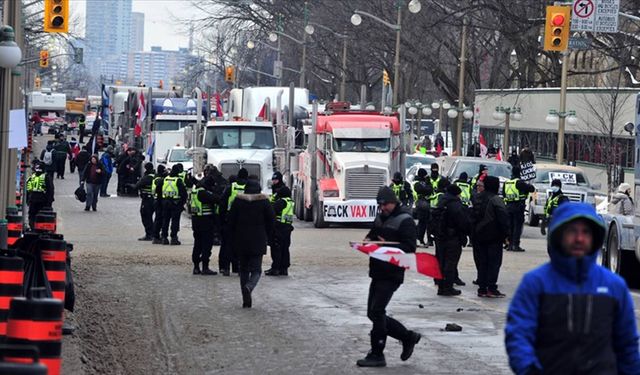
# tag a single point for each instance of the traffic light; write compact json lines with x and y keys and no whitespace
{"x":385,"y":77}
{"x":230,"y":74}
{"x":37,"y":82}
{"x":56,"y":16}
{"x":557,"y":28}
{"x":44,"y":59}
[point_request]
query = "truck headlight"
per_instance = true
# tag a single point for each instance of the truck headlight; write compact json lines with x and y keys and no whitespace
{"x":331,"y":193}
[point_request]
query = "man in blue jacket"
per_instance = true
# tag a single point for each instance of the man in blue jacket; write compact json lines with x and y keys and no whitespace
{"x":572,"y":316}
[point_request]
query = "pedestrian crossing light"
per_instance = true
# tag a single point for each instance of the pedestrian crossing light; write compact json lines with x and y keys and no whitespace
{"x":230,"y":74}
{"x":557,"y":28}
{"x":385,"y":77}
{"x":44,"y":59}
{"x":56,"y":16}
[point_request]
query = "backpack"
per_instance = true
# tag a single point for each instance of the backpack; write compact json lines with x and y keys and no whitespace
{"x":438,"y":221}
{"x":48,"y":157}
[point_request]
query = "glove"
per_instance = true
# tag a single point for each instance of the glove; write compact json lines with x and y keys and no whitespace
{"x":543,"y":230}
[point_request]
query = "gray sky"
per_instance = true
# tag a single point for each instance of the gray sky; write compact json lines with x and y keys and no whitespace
{"x":160,"y":27}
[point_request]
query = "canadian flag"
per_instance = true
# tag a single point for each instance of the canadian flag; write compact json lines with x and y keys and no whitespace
{"x":142,"y":114}
{"x":483,"y":147}
{"x":499,"y":156}
{"x":263,"y":112}
{"x":423,"y":263}
{"x":219,"y":111}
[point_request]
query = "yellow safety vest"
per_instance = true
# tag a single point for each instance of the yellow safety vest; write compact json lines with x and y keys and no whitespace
{"x":36,"y":183}
{"x":154,"y":186}
{"x":286,"y":216}
{"x":434,"y":184}
{"x":551,"y":204}
{"x":235,"y":189}
{"x":149,"y":190}
{"x":511,"y":192}
{"x":465,"y":196}
{"x":199,"y":208}
{"x":183,"y":176}
{"x":170,"y":188}
{"x":435,"y":198}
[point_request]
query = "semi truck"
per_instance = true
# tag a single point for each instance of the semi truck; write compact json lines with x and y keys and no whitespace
{"x":621,"y":253}
{"x":349,"y":155}
{"x":51,"y":106}
{"x":247,"y":103}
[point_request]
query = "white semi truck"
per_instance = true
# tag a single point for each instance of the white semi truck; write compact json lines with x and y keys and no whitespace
{"x":51,"y":106}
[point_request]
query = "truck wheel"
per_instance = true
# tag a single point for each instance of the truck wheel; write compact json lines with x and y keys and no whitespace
{"x":532,"y":219}
{"x":307,"y":212}
{"x":299,"y":203}
{"x":318,"y":217}
{"x":612,"y":257}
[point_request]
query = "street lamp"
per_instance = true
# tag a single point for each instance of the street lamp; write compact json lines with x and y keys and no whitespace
{"x":461,"y":113}
{"x":10,"y":53}
{"x":507,"y":114}
{"x":273,"y":36}
{"x":442,"y":105}
{"x":414,"y":7}
{"x":559,"y":118}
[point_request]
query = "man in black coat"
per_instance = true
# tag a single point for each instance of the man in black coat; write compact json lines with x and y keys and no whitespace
{"x":423,"y":190}
{"x":490,"y":229}
{"x":456,"y":227}
{"x":283,"y":209}
{"x":129,"y":172}
{"x":402,"y":189}
{"x":396,"y":228}
{"x":227,"y":258}
{"x":156,"y":190}
{"x":174,"y":196}
{"x":62,"y":152}
{"x":203,"y":205}
{"x":144,"y":186}
{"x":251,"y":213}
{"x":515,"y":193}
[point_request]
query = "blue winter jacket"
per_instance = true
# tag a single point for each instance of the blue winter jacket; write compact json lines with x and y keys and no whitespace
{"x":107,"y":161}
{"x":572,"y":316}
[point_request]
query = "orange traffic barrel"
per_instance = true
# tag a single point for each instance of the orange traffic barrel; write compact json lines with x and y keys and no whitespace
{"x":45,"y":221}
{"x":54,"y":259}
{"x":32,"y":365}
{"x":14,"y":227}
{"x":36,"y":322}
{"x":11,"y":279}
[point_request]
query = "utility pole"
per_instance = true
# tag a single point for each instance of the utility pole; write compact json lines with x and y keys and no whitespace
{"x":343,"y":81}
{"x":463,"y":60}
{"x":563,"y":106}
{"x":396,"y":62}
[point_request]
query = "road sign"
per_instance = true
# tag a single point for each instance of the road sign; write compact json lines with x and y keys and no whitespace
{"x":599,"y":16}
{"x":579,"y":43}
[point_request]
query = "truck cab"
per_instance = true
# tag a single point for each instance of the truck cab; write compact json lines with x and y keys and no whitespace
{"x":231,"y":145}
{"x":351,"y":154}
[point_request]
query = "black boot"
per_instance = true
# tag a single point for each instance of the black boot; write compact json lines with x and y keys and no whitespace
{"x":206,"y":270}
{"x":372,"y":360}
{"x":246,"y":297}
{"x":448,"y":291}
{"x":409,"y":344}
{"x":174,"y":241}
{"x":196,"y":269}
{"x":165,"y":241}
{"x":272,"y":272}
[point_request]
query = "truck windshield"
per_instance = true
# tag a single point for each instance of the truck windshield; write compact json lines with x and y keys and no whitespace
{"x":235,"y":137}
{"x":178,"y":156}
{"x":361,"y":145}
{"x":166,"y":125}
{"x":567,"y":177}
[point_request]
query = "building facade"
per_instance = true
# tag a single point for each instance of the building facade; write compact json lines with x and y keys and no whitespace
{"x":136,"y":41}
{"x":107,"y":32}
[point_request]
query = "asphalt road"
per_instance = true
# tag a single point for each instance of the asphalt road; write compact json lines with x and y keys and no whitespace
{"x":140,"y":310}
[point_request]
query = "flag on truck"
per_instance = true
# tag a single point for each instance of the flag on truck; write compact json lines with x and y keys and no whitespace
{"x":105,"y":109}
{"x":422,"y":263}
{"x":142,"y":114}
{"x":483,"y":147}
{"x":219,"y":110}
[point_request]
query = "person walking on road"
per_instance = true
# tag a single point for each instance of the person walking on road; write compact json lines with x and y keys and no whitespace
{"x":402,"y":189}
{"x":40,"y":191}
{"x":75,"y":150}
{"x":455,"y":228}
{"x":82,"y":160}
{"x":621,"y":202}
{"x":203,"y":205}
{"x":174,"y":196}
{"x":490,"y":229}
{"x":144,"y":186}
{"x":107,"y":161}
{"x":92,"y":176}
{"x":158,"y":210}
{"x":227,"y":258}
{"x":571,"y":315}
{"x":251,"y":223}
{"x":397,"y":229}
{"x":422,"y":190}
{"x":516,"y":192}
{"x":556,"y":198}
{"x":82,"y":126}
{"x":48,"y":159}
{"x":61,"y":154}
{"x":465,"y":187}
{"x":283,"y":209}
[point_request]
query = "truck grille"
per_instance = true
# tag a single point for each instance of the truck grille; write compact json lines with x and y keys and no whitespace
{"x":363,"y":183}
{"x":231,"y":169}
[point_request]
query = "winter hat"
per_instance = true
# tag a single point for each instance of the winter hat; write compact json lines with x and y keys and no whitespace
{"x":442,"y":184}
{"x":464,"y":176}
{"x":386,"y":195}
{"x":454,"y":189}
{"x":422,"y":172}
{"x":492,"y":184}
{"x":252,"y":187}
{"x":624,"y":187}
{"x":161,"y":169}
{"x":435,"y":167}
{"x":397,"y":177}
{"x":148,"y":167}
{"x":277,"y":176}
{"x":557,"y":183}
{"x":515,"y":172}
{"x":243,"y":174}
{"x":482,"y":168}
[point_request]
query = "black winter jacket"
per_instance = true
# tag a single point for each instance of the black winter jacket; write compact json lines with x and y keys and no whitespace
{"x":490,"y":219}
{"x":457,"y":216}
{"x":251,"y":222}
{"x":397,"y":227}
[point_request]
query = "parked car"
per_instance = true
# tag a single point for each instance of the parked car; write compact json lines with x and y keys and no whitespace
{"x":575,"y":185}
{"x":471,"y":165}
{"x":413,"y":159}
{"x":177,"y":155}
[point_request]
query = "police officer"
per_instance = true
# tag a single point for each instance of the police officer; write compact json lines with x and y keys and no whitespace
{"x":276,"y":184}
{"x":156,"y":190}
{"x":182,"y":173}
{"x":556,"y":198}
{"x":402,"y":189}
{"x":144,"y":186}
{"x":227,"y":258}
{"x":465,"y":187}
{"x":397,"y":229}
{"x":39,"y":191}
{"x":283,"y":208}
{"x":203,"y":203}
{"x":174,"y":196}
{"x":515,"y":193}
{"x":434,"y":199}
{"x":422,"y":191}
{"x":435,"y":177}
{"x":82,"y":125}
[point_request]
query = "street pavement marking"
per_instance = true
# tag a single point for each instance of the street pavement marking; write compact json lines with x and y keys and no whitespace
{"x":464,"y":298}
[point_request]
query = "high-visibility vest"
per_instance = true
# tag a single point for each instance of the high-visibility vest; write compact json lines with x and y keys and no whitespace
{"x":511,"y":192}
{"x":154,"y":186}
{"x":170,"y":188}
{"x":417,"y":196}
{"x":236,"y":188}
{"x":36,"y":184}
{"x":183,"y":176}
{"x":199,"y":208}
{"x":435,"y":198}
{"x":286,"y":216}
{"x":81,"y":123}
{"x":551,"y":205}
{"x":149,"y":190}
{"x":465,"y":196}
{"x":434,"y":183}
{"x":397,"y":189}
